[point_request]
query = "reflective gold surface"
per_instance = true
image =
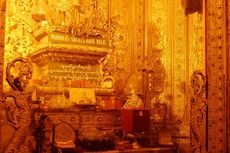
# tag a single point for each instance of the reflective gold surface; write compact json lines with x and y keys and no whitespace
{"x":153,"y":40}
{"x":163,"y":44}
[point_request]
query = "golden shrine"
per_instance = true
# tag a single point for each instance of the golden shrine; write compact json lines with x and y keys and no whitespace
{"x":114,"y":76}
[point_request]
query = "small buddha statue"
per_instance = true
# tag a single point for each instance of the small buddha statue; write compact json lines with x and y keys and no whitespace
{"x":107,"y":81}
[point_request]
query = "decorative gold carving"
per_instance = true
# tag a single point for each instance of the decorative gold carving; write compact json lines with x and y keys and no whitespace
{"x":18,"y":29}
{"x":215,"y":60}
{"x":68,"y":53}
{"x":29,"y":24}
{"x":89,"y":19}
{"x":158,"y":57}
{"x":134,"y":102}
{"x":19,"y":116}
{"x":81,"y":19}
{"x":86,"y":23}
{"x":179,"y":60}
{"x":195,"y":44}
{"x":20,"y":80}
{"x":16,"y":46}
{"x":139,"y":35}
{"x":198,"y":83}
{"x":198,"y":113}
{"x":119,"y":61}
{"x":196,"y":29}
{"x":167,"y":51}
{"x":152,"y":67}
{"x":168,"y":36}
{"x":75,"y":32}
{"x":17,"y":106}
{"x":24,"y":6}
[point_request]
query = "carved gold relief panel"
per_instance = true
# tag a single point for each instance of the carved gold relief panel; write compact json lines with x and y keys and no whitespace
{"x":173,"y":44}
{"x":19,"y":26}
{"x":167,"y":46}
{"x":198,"y":111}
{"x":179,"y":59}
{"x":121,"y":58}
{"x":156,"y":52}
{"x":170,"y":50}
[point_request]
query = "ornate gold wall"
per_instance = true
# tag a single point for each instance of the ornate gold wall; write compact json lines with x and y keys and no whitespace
{"x":20,"y":39}
{"x":180,"y":47}
{"x":151,"y":35}
{"x":181,"y":55}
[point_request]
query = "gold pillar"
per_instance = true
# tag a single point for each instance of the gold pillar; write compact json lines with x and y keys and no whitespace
{"x":228,"y":73}
{"x":2,"y":40}
{"x":216,"y":73}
